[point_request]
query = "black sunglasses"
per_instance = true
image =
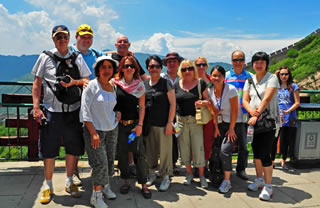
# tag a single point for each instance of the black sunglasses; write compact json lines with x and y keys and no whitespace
{"x":190,"y":68}
{"x":132,"y":66}
{"x":202,"y":64}
{"x":60,"y":37}
{"x":238,"y":60}
{"x":154,"y":66}
{"x":284,"y":74}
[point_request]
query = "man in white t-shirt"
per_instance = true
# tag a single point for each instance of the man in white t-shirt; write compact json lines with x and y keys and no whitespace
{"x":57,"y":123}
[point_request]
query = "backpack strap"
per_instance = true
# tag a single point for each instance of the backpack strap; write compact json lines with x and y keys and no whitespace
{"x":95,"y":52}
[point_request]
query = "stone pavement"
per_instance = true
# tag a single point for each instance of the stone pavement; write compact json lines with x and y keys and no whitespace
{"x":21,"y":182}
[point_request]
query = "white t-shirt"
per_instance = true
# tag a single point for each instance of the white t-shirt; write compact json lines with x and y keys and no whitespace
{"x":45,"y":68}
{"x":229,"y":92}
{"x":268,"y":81}
{"x":97,"y":107}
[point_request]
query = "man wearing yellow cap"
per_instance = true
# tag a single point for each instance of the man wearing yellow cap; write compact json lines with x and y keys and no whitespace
{"x":84,"y":39}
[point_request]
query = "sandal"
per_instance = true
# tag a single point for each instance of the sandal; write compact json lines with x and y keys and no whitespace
{"x":125,"y":188}
{"x":146,"y":193}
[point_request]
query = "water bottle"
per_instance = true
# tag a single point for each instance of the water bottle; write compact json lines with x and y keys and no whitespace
{"x":250,"y":131}
{"x":131,"y":137}
{"x":176,"y":127}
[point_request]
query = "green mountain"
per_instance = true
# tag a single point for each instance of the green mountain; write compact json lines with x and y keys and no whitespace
{"x":303,"y":60}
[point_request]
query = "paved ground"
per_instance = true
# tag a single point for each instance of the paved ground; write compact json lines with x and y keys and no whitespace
{"x":21,"y":182}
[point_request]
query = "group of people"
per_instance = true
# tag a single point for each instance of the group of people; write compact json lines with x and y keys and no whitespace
{"x":158,"y":114}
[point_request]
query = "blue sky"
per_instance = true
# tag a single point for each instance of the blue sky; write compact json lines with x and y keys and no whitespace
{"x":209,"y":28}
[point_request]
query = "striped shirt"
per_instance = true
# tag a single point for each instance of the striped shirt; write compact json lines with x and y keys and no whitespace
{"x":238,"y":80}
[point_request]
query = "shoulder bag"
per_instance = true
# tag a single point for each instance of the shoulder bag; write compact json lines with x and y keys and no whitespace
{"x":263,"y":124}
{"x":203,"y":115}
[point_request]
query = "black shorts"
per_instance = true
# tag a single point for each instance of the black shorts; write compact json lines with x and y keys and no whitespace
{"x":62,"y":129}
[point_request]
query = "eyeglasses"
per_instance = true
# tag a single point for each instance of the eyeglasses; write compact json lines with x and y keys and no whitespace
{"x":190,"y":68}
{"x":201,"y":64}
{"x":154,"y":66}
{"x":60,"y":37}
{"x":89,"y":37}
{"x":238,"y":60}
{"x":132,"y":66}
{"x":284,"y":74}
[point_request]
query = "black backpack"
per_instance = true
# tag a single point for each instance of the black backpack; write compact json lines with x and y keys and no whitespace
{"x":64,"y":67}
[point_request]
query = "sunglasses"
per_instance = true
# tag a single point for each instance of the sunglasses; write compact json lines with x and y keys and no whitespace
{"x":202,"y":64}
{"x":238,"y":60}
{"x":60,"y":37}
{"x":132,"y":66}
{"x":190,"y":68}
{"x":284,"y":74}
{"x":154,"y":66}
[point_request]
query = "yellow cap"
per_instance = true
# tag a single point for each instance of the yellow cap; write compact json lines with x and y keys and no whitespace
{"x":84,"y":30}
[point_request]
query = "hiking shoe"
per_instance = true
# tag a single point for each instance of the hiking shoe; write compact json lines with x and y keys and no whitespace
{"x":76,"y":178}
{"x":108,"y":193}
{"x":203,"y":182}
{"x":46,"y":196}
{"x":188,"y":179}
{"x":266,"y":193}
{"x":151,"y":179}
{"x":165,"y":183}
{"x":257,"y":184}
{"x":97,"y":200}
{"x":73,"y":190}
{"x":225,"y":186}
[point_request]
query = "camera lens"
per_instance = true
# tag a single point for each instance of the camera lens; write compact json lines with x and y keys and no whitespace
{"x":66,"y":79}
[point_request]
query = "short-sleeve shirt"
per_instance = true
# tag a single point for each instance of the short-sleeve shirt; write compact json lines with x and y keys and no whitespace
{"x":238,"y":80}
{"x":45,"y":68}
{"x":223,"y":102}
{"x":97,"y":107}
{"x":157,"y":102}
{"x":186,"y":99}
{"x":117,"y":57}
{"x":268,"y":81}
{"x":90,"y":58}
{"x":127,"y":104}
{"x":286,"y":100}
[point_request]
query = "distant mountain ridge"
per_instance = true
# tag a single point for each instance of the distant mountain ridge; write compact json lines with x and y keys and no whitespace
{"x":18,"y":68}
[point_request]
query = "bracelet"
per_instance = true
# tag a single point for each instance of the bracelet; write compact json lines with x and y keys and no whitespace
{"x":139,"y":125}
{"x":170,"y":122}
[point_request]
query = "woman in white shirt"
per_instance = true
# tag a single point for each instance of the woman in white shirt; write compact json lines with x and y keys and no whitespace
{"x":101,"y":128}
{"x":267,"y":86}
{"x":225,"y":102}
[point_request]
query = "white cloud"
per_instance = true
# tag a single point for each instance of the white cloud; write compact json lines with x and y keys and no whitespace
{"x":215,"y":49}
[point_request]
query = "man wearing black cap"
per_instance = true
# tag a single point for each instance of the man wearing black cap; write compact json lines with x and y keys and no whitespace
{"x":57,"y":124}
{"x":172,"y":61}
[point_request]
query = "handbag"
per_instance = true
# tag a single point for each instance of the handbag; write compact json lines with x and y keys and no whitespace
{"x":263,"y":124}
{"x":203,"y":114}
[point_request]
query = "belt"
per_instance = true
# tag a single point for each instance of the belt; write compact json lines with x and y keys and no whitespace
{"x":128,"y":122}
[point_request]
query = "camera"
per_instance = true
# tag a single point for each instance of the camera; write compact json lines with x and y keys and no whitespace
{"x":44,"y":122}
{"x":65,"y":79}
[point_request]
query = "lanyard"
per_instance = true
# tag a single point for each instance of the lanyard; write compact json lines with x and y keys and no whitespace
{"x":219,"y":103}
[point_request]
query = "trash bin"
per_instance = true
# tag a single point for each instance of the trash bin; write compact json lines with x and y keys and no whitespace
{"x":307,"y":146}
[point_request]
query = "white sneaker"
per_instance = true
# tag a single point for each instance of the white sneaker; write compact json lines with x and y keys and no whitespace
{"x":151,"y":179}
{"x":188,"y":179}
{"x":97,"y":200}
{"x":108,"y":193}
{"x":165,"y":183}
{"x":203,"y":182}
{"x":266,"y":193}
{"x":225,"y":186}
{"x":257,"y":184}
{"x":76,"y":178}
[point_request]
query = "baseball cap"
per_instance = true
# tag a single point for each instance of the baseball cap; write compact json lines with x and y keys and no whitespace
{"x":84,"y":30}
{"x":59,"y":29}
